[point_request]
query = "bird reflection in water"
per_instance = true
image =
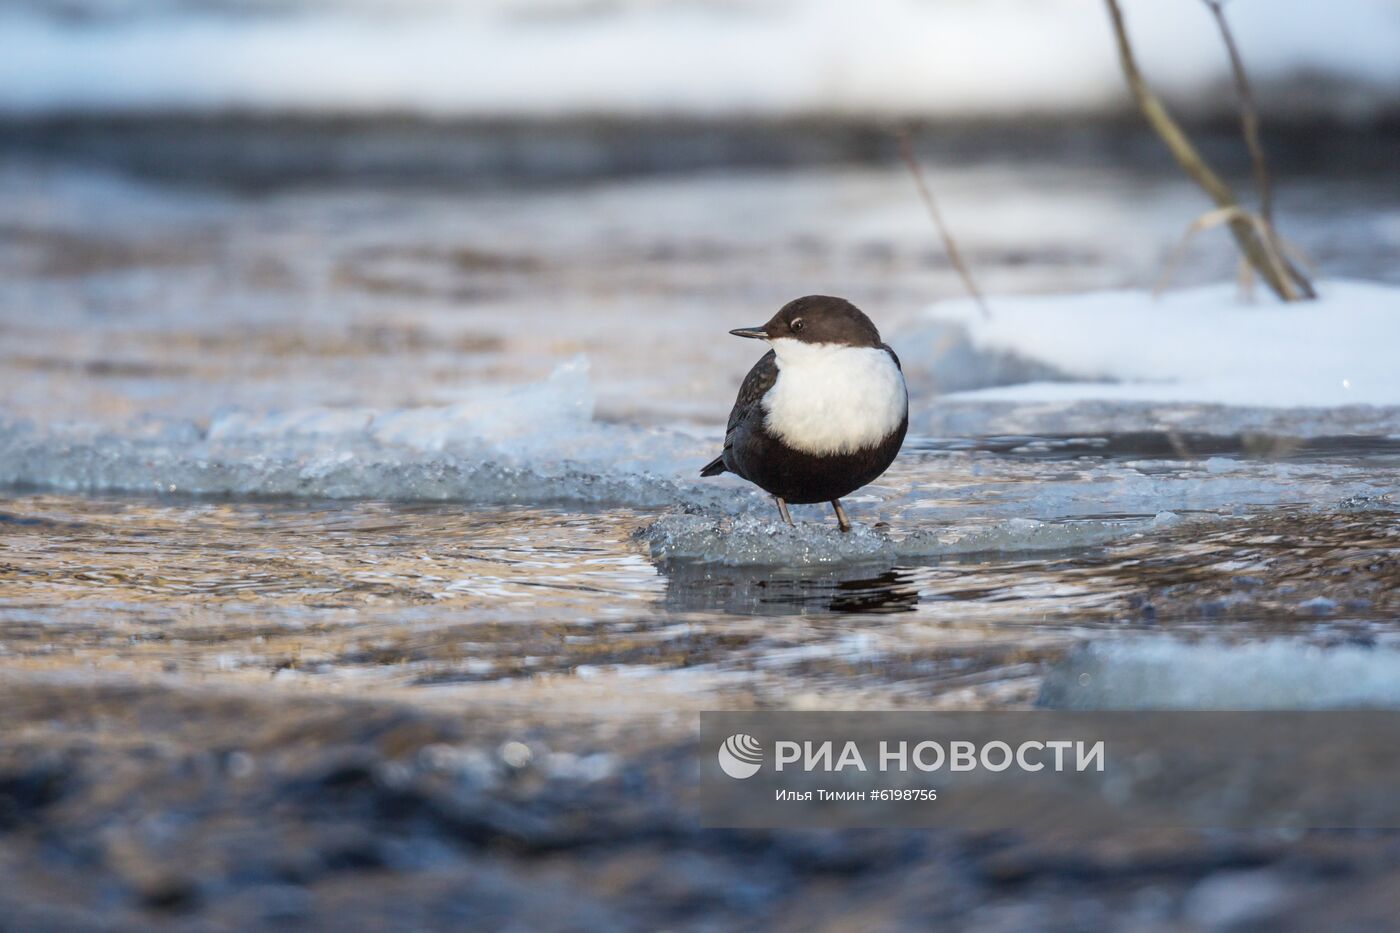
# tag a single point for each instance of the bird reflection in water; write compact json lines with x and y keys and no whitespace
{"x":696,"y":587}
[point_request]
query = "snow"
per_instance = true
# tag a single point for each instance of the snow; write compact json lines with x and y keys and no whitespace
{"x":1204,"y":345}
{"x":551,"y":57}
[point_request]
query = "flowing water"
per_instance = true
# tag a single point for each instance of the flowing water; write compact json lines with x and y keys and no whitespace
{"x":373,"y":505}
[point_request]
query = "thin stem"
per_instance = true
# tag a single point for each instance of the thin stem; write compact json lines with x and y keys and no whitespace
{"x":906,"y":149}
{"x":1249,"y":126}
{"x":1249,"y":114}
{"x":1195,"y":166}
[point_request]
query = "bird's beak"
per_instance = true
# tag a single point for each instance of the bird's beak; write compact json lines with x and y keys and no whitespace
{"x":758,"y":333}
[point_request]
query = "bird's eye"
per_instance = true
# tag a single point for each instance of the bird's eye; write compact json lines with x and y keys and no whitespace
{"x":797,"y":325}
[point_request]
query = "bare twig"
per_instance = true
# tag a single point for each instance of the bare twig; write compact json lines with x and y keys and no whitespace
{"x":1249,"y":114}
{"x":906,"y":149}
{"x":1226,"y":215}
{"x":1249,"y":126}
{"x":1161,"y":121}
{"x":1254,"y":239}
{"x":1204,"y":222}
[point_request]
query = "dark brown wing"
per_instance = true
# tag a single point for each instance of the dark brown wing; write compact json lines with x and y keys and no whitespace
{"x":756,"y":384}
{"x":894,"y":356}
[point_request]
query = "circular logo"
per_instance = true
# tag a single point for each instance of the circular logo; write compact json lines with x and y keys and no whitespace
{"x":740,"y":756}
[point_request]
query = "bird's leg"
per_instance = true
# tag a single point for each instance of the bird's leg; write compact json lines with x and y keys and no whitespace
{"x":841,"y":515}
{"x":783,"y":510}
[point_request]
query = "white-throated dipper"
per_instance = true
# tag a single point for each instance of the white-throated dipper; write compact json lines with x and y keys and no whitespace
{"x":822,"y":413}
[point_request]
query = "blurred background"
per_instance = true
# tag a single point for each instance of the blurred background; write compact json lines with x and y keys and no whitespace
{"x":357,"y":359}
{"x":485,"y":188}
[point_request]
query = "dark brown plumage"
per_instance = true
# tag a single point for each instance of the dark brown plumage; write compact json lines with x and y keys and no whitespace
{"x":755,"y":452}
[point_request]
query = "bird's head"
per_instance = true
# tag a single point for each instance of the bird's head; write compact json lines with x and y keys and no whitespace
{"x":815,"y":320}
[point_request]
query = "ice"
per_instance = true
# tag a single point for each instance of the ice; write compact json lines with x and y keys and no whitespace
{"x":532,"y":444}
{"x":968,"y":413}
{"x":1163,"y":673}
{"x":1198,"y":346}
{"x":1007,"y":57}
{"x":753,"y":540}
{"x":518,"y":418}
{"x":979,"y":486}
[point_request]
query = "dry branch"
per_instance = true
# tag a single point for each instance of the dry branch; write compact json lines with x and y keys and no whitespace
{"x":1225,"y":215}
{"x":1249,"y":127}
{"x":1255,"y":240}
{"x":1249,"y":114}
{"x":906,"y":149}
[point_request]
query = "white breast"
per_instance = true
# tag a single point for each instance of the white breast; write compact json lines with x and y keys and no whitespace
{"x":832,"y":399}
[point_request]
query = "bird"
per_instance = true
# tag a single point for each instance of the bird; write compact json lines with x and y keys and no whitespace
{"x":822,"y":413}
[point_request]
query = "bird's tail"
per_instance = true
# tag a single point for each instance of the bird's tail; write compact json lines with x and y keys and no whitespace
{"x":714,"y":467}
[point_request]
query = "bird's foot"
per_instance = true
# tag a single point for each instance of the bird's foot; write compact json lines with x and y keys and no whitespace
{"x":841,"y":518}
{"x":783,"y":511}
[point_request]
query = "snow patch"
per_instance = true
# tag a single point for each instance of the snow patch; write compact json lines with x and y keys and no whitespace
{"x":1203,"y":345}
